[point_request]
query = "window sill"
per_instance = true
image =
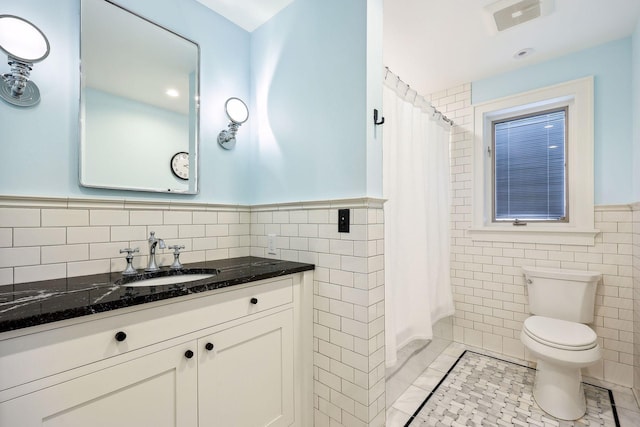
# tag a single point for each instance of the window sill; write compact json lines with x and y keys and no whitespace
{"x":544,"y":235}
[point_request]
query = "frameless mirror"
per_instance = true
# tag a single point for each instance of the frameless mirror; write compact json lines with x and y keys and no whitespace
{"x":138,"y":103}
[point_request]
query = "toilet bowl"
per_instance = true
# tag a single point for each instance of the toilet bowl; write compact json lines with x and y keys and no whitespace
{"x":561,"y":301}
{"x":562,"y":349}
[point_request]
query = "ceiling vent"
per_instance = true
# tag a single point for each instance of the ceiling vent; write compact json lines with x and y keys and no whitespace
{"x":509,"y":13}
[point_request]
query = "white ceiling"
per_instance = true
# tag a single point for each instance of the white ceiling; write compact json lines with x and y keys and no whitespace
{"x":437,"y":44}
{"x":434,"y":45}
{"x":248,"y":14}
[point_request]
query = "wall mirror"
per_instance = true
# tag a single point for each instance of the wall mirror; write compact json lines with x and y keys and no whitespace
{"x":138,"y":103}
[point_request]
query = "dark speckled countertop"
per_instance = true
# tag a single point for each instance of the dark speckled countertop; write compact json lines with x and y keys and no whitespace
{"x":29,"y":304}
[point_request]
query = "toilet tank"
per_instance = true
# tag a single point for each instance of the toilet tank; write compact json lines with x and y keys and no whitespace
{"x":562,"y":294}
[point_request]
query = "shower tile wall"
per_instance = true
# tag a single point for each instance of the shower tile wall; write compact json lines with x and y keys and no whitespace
{"x":349,"y":380}
{"x":489,"y":290}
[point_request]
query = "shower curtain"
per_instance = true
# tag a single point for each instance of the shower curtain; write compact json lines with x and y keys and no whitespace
{"x":416,"y":186}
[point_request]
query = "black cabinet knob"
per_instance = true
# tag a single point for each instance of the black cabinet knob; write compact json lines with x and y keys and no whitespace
{"x":120,"y":336}
{"x":209,"y":346}
{"x":254,"y":300}
{"x":188,"y":354}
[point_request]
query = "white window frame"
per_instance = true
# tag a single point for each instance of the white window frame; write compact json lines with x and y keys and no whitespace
{"x":577,"y":95}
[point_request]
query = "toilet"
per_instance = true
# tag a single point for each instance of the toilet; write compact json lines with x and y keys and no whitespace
{"x":561,"y":302}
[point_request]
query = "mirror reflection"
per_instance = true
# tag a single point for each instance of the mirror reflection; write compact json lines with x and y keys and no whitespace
{"x":139,"y":108}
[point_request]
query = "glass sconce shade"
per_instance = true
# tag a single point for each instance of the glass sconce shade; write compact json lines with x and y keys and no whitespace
{"x":22,"y":40}
{"x":237,"y":110}
{"x":238,"y":113}
{"x":24,"y":45}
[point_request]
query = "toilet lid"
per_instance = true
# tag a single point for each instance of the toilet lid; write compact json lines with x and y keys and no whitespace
{"x":560,"y":333}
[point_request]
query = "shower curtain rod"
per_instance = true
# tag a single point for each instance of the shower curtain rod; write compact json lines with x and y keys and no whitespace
{"x":435,"y":110}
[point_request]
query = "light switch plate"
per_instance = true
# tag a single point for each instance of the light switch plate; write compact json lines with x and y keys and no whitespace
{"x":343,"y":220}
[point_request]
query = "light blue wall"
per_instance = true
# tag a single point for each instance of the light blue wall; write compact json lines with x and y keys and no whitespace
{"x":304,"y":74}
{"x":41,"y":143}
{"x":375,"y":77}
{"x":309,"y":83}
{"x":636,"y":113}
{"x":610,"y":64}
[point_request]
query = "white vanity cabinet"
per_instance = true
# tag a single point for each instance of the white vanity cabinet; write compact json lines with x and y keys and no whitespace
{"x":238,"y":356}
{"x":246,"y":379}
{"x":158,"y":389}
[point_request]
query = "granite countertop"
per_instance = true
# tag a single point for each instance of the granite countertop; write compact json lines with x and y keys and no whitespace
{"x":36,"y":303}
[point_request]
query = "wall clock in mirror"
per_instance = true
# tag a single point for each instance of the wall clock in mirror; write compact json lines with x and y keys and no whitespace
{"x":180,"y":165}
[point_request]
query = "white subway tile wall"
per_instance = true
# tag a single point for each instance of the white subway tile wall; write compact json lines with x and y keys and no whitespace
{"x":636,"y":297}
{"x":349,"y":383}
{"x":489,"y":289}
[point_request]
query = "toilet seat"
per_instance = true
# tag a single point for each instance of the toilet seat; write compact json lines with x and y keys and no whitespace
{"x":560,"y":334}
{"x":561,"y":349}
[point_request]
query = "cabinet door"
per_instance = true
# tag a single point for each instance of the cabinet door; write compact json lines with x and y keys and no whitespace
{"x":155,"y":390}
{"x":247,"y":378}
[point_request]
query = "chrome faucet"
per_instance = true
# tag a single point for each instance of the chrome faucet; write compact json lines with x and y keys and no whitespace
{"x":153,"y":242}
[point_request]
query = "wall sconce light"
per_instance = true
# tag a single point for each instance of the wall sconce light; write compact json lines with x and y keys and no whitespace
{"x":238,"y":113}
{"x":24,"y":45}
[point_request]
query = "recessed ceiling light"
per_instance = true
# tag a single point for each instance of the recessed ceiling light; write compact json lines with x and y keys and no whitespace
{"x":172,"y":93}
{"x":523,"y":53}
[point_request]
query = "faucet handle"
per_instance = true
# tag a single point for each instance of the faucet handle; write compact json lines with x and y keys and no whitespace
{"x":176,"y":256}
{"x":129,"y":251}
{"x":129,"y":270}
{"x":176,"y":248}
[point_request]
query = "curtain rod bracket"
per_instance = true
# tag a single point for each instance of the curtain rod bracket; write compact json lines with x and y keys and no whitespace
{"x":375,"y":118}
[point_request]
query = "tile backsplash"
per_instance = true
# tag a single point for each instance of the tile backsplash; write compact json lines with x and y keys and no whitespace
{"x":44,"y":239}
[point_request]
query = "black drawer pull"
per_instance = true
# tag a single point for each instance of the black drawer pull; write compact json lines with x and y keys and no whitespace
{"x":188,"y":354}
{"x":209,"y":346}
{"x":120,"y":336}
{"x":254,"y":300}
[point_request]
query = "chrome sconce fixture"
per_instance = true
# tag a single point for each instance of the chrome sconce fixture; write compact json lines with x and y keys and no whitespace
{"x":238,"y":113}
{"x":24,"y":45}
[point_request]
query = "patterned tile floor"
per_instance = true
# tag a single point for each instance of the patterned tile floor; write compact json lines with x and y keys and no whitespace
{"x":486,"y":391}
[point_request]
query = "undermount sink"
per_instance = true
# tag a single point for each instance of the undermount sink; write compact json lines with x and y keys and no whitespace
{"x":169,"y":280}
{"x":164,"y":278}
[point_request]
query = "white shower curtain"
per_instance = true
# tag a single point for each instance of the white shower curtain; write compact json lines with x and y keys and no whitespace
{"x":416,"y":186}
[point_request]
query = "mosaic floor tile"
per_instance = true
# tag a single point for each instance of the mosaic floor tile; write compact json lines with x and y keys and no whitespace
{"x":481,"y":390}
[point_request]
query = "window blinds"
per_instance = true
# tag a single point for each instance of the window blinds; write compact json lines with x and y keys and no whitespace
{"x":529,"y":167}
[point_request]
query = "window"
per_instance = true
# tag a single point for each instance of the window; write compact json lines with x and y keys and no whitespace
{"x":529,"y":167}
{"x":533,"y":167}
